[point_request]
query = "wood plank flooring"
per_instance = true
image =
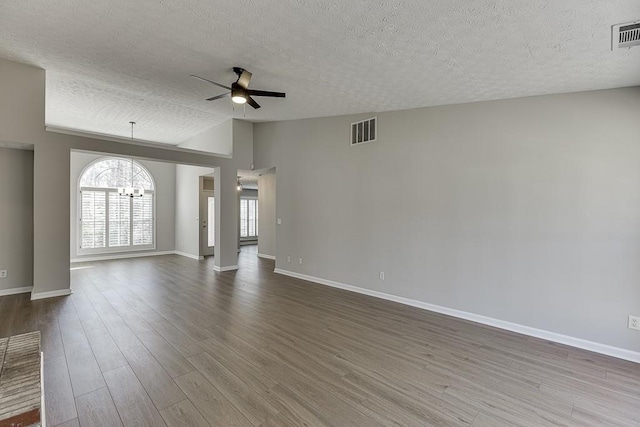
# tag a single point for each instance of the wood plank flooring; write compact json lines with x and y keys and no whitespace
{"x":167,"y":341}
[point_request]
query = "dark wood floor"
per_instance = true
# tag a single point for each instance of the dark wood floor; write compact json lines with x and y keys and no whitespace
{"x":158,"y":340}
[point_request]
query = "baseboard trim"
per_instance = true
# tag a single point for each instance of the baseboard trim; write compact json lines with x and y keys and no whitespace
{"x":605,"y":349}
{"x":51,"y":294}
{"x":225,"y":268}
{"x":265,"y":256}
{"x":121,"y":256}
{"x":184,"y":254}
{"x":14,"y":291}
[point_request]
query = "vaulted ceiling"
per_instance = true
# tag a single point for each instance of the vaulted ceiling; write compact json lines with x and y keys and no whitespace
{"x":109,"y":62}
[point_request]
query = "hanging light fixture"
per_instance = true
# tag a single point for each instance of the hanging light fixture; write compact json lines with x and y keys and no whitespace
{"x":239,"y":185}
{"x":131,"y":191}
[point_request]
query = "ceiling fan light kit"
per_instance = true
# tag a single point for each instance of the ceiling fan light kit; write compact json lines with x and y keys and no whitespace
{"x":239,"y":90}
{"x":239,"y":99}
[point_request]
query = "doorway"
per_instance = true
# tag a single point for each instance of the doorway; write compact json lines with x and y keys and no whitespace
{"x":207,"y":216}
{"x":267,"y":220}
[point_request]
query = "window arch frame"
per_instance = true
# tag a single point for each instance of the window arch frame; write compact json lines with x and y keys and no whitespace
{"x":107,"y":248}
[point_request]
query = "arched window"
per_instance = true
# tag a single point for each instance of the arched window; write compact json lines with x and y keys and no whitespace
{"x":110,"y":222}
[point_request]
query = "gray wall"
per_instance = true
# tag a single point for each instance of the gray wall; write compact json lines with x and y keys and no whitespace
{"x":16,"y":218}
{"x":164,"y":176}
{"x":525,"y":210}
{"x":267,"y":214}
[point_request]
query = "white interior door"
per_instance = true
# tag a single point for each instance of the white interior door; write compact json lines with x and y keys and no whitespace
{"x":211,"y":224}
{"x":207,"y":223}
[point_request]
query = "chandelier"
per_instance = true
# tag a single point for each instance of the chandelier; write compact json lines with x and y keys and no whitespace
{"x":130,"y":191}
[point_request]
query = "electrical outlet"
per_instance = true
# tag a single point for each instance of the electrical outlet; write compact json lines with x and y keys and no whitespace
{"x":288,"y":259}
{"x":299,"y":260}
{"x":634,"y":322}
{"x":3,"y":274}
{"x":381,"y":275}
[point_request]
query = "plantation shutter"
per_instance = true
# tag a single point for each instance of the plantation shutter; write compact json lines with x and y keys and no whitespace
{"x":109,"y":222}
{"x":94,"y":219}
{"x":143,"y":220}
{"x":119,"y":220}
{"x":243,"y":217}
{"x":248,"y":217}
{"x":252,"y":217}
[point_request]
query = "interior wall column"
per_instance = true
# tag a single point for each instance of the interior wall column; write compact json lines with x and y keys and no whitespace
{"x":226,"y":193}
{"x":51,"y":220}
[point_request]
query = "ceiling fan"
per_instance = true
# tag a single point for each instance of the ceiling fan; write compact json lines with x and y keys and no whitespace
{"x":240,"y":92}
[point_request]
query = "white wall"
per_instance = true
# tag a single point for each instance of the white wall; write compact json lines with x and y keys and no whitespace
{"x":525,"y":210}
{"x":267,"y":214}
{"x":16,"y":218}
{"x":164,"y":176}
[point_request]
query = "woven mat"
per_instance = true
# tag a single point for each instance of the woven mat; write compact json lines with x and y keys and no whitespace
{"x":20,"y":387}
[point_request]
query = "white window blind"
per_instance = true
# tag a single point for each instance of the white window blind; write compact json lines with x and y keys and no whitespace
{"x":248,"y":217}
{"x":119,"y":220}
{"x":243,"y":217}
{"x":143,"y":220}
{"x":94,"y":219}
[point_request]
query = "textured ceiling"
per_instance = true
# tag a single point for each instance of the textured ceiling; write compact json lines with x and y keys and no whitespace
{"x":109,"y":62}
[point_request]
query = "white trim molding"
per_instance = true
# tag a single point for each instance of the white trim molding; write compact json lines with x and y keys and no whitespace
{"x":225,"y":268}
{"x":50,"y":294}
{"x":265,"y":256}
{"x":620,"y":353}
{"x":184,"y":254}
{"x":140,"y":142}
{"x":121,"y":256}
{"x":14,"y":291}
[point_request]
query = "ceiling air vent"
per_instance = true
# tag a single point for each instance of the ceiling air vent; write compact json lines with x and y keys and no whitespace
{"x":364,"y":131}
{"x":625,"y":35}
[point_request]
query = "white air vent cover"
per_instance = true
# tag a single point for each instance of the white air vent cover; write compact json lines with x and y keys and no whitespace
{"x":364,"y":131}
{"x":625,"y":35}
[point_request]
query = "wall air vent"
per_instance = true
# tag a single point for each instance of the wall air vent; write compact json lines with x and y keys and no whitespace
{"x":625,"y":35}
{"x":364,"y":131}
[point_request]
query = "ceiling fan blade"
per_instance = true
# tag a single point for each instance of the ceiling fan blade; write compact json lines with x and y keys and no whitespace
{"x":213,"y":98}
{"x":266,"y":93}
{"x":253,"y":102}
{"x":243,"y":80}
{"x":210,"y":81}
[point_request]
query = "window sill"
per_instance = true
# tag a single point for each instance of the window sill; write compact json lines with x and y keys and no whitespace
{"x":115,"y":251}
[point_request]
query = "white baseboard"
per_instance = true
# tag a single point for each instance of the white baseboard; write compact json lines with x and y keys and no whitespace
{"x":121,"y":256}
{"x":266,"y":256}
{"x":13,"y":291}
{"x":605,"y":349}
{"x":43,"y":415}
{"x":51,"y":294}
{"x":225,"y":268}
{"x":184,"y":254}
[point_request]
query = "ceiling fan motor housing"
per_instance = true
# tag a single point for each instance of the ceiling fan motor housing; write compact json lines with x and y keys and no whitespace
{"x":237,"y":90}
